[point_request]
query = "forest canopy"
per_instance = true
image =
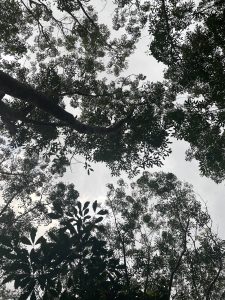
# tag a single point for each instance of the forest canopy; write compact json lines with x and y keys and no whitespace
{"x":63,"y":94}
{"x":54,"y":83}
{"x":156,"y":243}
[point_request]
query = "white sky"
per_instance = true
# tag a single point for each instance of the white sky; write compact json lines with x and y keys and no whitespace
{"x":93,"y":186}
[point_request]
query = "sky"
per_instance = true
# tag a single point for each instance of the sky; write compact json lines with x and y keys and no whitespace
{"x":93,"y":186}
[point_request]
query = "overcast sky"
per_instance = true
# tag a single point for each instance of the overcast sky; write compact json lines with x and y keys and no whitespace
{"x":94,"y":186}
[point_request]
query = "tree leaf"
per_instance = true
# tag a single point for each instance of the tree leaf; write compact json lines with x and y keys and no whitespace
{"x":98,"y":219}
{"x":86,"y":211}
{"x":5,"y":240}
{"x":24,"y":296}
{"x":42,"y":280}
{"x":54,"y":216}
{"x":53,"y":236}
{"x":102,"y":212}
{"x":70,"y":282}
{"x":25,"y":281}
{"x":34,"y":256}
{"x":75,"y":210}
{"x":25,"y":240}
{"x":79,"y":207}
{"x":94,"y":205}
{"x":70,"y":227}
{"x":53,"y":292}
{"x":4,"y":252}
{"x":45,"y":296}
{"x":59,"y":286}
{"x":33,"y":234}
{"x":86,"y":218}
{"x":40,"y":240}
{"x":9,"y":278}
{"x":86,"y":204}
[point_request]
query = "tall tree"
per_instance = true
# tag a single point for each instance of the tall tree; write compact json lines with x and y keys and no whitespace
{"x":164,"y":238}
{"x":59,"y":55}
{"x":188,"y":37}
{"x":53,"y":68}
{"x":55,"y":101}
{"x":157,"y":244}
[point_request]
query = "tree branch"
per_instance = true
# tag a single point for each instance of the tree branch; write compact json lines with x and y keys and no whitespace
{"x":210,"y":288}
{"x":121,"y":237}
{"x":180,"y":258}
{"x":7,"y":118}
{"x":25,"y":92}
{"x":86,"y":14}
{"x":39,"y":123}
{"x":213,"y":282}
{"x":4,"y":173}
{"x":172,"y":46}
{"x":9,"y":202}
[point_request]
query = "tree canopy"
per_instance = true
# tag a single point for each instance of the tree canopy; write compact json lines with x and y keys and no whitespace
{"x":56,"y":93}
{"x":188,"y":37}
{"x":63,"y":94}
{"x":164,"y":236}
{"x":157,"y":243}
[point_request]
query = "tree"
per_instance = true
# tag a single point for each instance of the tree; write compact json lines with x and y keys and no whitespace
{"x":56,"y":101}
{"x":59,"y":54}
{"x":69,"y":262}
{"x":188,"y":37}
{"x":158,"y":244}
{"x":58,"y":75}
{"x":163,"y":236}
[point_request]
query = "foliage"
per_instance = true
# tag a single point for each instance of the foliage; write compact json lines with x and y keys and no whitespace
{"x":165,"y":239}
{"x":63,"y":52}
{"x":156,"y":243}
{"x":56,"y":100}
{"x":188,"y":37}
{"x":68,"y":262}
{"x":68,"y":61}
{"x":63,"y":93}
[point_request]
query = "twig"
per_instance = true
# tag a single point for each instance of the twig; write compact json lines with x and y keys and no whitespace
{"x":10,"y":201}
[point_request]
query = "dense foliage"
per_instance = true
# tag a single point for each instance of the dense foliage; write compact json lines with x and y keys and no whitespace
{"x":188,"y":37}
{"x":165,"y":238}
{"x":156,"y":243}
{"x":64,"y":53}
{"x":69,"y":263}
{"x":63,"y":93}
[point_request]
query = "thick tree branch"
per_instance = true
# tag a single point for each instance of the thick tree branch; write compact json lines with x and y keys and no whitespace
{"x":9,"y":116}
{"x":25,"y":92}
{"x":39,"y":123}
